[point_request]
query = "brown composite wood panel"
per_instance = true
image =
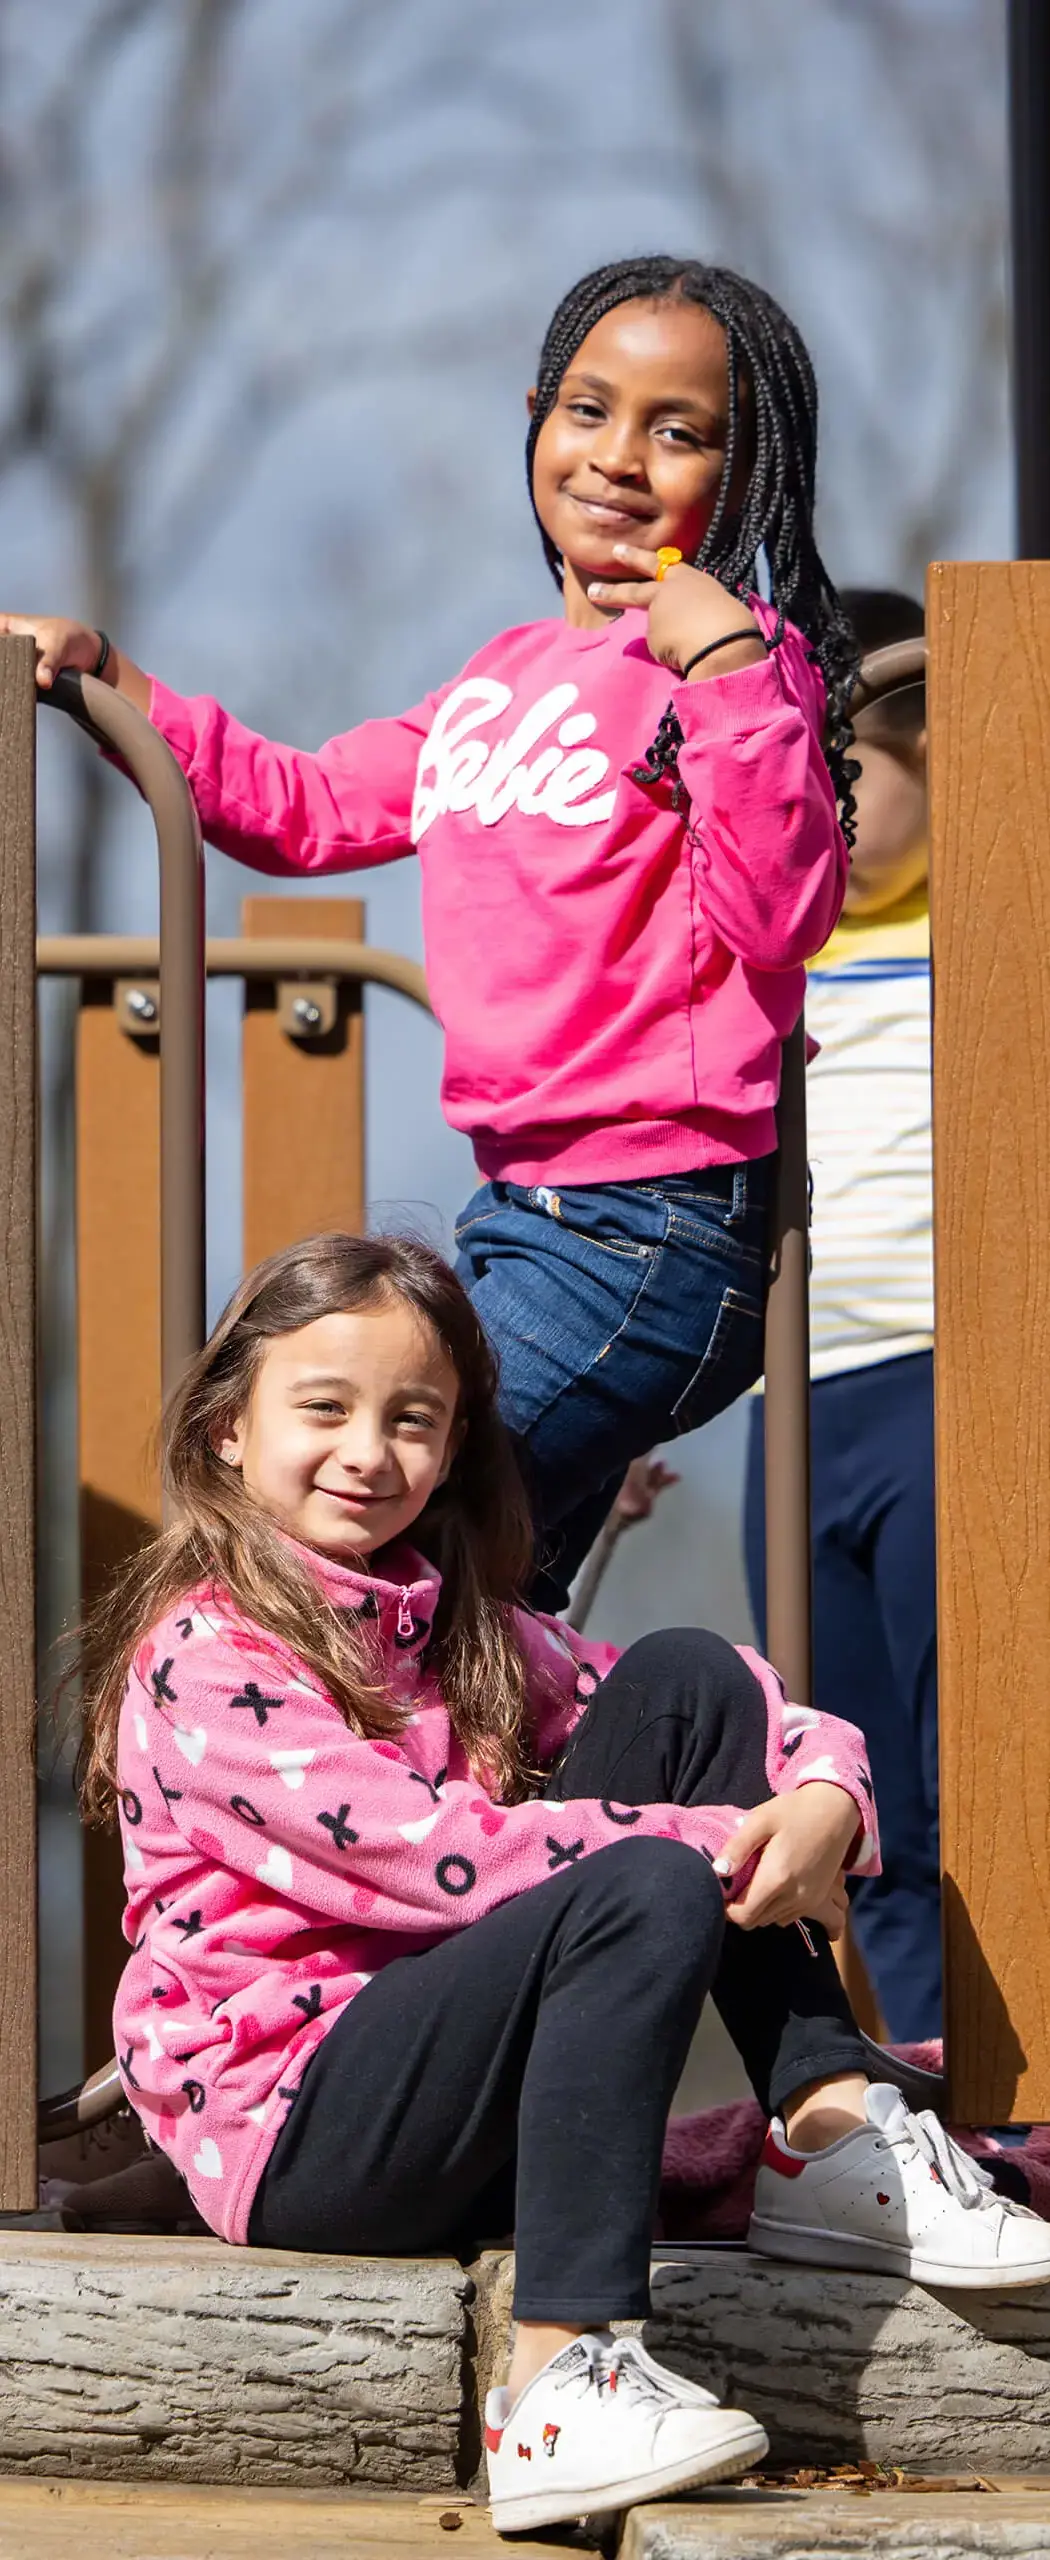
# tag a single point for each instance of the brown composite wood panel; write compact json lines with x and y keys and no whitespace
{"x":989,"y":640}
{"x":303,"y":1100}
{"x":18,"y":2176}
{"x":118,"y":1351}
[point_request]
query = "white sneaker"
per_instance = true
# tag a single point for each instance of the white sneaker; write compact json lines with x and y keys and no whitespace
{"x":601,"y":2427}
{"x":899,"y":2197}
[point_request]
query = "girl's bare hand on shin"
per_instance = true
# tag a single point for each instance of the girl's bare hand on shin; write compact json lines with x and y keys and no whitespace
{"x":686,"y":607}
{"x":800,"y":1843}
{"x":59,"y":643}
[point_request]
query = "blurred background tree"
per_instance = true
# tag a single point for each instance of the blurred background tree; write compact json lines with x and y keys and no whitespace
{"x":272,"y":283}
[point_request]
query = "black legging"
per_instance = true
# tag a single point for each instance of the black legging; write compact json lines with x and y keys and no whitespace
{"x":540,"y":2048}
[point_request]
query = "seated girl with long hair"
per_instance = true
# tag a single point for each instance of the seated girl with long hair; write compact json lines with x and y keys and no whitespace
{"x":425,"y":1894}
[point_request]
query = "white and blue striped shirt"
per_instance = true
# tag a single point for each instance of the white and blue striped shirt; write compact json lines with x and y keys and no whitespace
{"x":870,"y":1143}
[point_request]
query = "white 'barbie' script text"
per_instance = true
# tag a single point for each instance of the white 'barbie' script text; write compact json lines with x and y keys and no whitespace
{"x":459,"y":770}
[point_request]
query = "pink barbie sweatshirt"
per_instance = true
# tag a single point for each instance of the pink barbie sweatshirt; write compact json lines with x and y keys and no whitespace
{"x":274,"y":1861}
{"x":615,"y":964}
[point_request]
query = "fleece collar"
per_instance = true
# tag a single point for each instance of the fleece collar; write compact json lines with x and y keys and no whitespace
{"x":402,"y":1600}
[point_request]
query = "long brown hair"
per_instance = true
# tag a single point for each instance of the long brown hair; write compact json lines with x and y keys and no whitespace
{"x":475,"y":1528}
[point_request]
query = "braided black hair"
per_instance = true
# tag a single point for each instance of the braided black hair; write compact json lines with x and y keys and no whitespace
{"x":767,"y":356}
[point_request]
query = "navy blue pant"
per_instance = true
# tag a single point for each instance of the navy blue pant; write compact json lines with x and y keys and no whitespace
{"x":875,"y":1630}
{"x":621,"y":1316}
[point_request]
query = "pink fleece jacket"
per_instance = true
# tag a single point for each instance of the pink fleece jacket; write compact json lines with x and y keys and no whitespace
{"x":614,"y":973}
{"x":274,"y":1862}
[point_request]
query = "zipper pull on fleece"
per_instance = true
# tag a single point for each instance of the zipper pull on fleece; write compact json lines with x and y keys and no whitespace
{"x":405,"y":1620}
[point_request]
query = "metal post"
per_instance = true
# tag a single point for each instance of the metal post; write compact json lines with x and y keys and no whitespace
{"x":18,"y":2179}
{"x":789,"y":1594}
{"x":1029,"y":93}
{"x":789,"y":1597}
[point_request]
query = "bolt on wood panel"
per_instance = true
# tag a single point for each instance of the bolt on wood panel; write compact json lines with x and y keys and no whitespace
{"x":988,"y":629}
{"x":303,"y":1099}
{"x":118,"y":1353}
{"x":18,"y":2174}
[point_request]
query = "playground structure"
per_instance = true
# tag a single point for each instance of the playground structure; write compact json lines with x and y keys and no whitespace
{"x":147,"y":1005}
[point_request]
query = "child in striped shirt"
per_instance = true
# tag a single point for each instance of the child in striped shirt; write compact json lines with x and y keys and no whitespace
{"x":868,"y":1005}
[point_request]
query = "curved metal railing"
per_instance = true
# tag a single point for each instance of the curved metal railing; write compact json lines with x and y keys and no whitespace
{"x":126,"y":733}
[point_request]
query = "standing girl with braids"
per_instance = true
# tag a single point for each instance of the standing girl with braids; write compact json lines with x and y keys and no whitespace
{"x":627,"y":825}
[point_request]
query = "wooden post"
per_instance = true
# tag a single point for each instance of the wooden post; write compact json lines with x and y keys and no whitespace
{"x":18,"y":2170}
{"x":303,"y":1098}
{"x":988,"y":629}
{"x":118,"y":1354}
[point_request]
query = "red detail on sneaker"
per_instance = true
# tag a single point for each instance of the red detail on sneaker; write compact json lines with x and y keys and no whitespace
{"x":493,"y":2439}
{"x":550,"y":2438}
{"x":880,"y":2198}
{"x":613,"y":2381}
{"x":788,"y":2164}
{"x":524,"y":2452}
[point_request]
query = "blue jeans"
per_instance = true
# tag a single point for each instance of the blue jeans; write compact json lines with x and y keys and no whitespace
{"x":875,"y":1645}
{"x":621,"y":1316}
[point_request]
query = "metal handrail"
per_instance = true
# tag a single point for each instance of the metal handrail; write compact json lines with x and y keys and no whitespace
{"x":901,"y":663}
{"x":789,"y":1562}
{"x":115,"y":724}
{"x":116,"y":955}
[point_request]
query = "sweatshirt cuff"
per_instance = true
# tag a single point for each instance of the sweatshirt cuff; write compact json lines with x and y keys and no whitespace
{"x":863,"y":1858}
{"x":725,"y":706}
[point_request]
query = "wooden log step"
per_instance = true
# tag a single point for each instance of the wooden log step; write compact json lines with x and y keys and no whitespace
{"x":843,"y":2366}
{"x":184,"y":2359}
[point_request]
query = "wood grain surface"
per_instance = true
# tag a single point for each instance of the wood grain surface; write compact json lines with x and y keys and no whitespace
{"x":42,"y":2519}
{"x":303,"y":1099}
{"x":17,"y":1426}
{"x":988,"y":628}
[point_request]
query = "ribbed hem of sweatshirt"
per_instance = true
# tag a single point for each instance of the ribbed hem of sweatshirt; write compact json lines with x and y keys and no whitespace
{"x":229,"y":2213}
{"x":624,"y":1151}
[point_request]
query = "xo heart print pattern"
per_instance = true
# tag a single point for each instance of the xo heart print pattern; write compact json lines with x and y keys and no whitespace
{"x":274,"y":1859}
{"x":218,"y":1935}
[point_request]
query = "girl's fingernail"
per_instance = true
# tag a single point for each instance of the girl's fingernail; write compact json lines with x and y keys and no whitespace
{"x":722,"y":1867}
{"x":596,"y":589}
{"x":619,"y":551}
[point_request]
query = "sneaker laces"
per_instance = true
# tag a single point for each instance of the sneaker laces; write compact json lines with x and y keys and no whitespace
{"x":614,"y":2368}
{"x":968,"y":2185}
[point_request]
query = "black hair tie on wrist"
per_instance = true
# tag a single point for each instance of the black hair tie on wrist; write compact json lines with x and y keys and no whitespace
{"x":726,"y":642}
{"x":102,"y":659}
